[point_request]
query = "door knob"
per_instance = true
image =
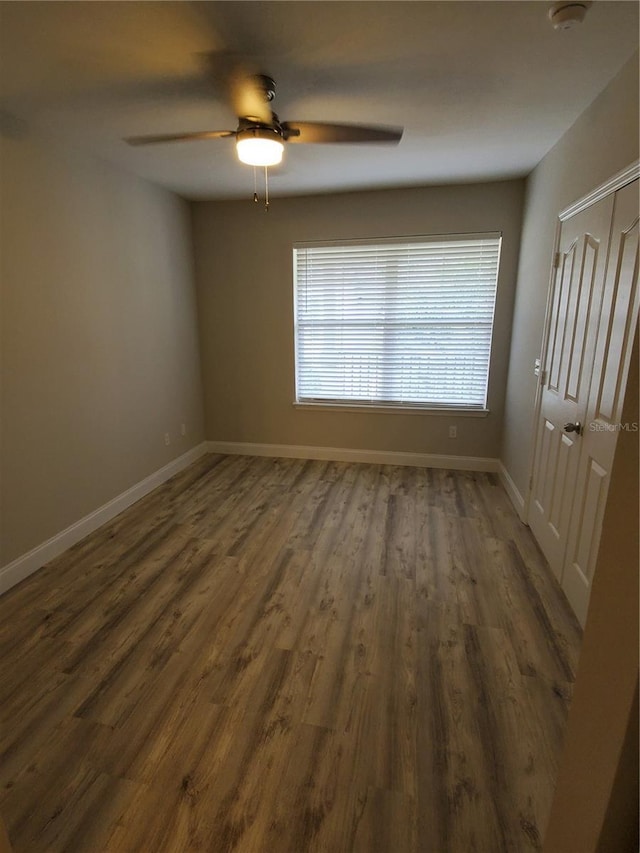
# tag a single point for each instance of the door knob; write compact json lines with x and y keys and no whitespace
{"x":577,"y":428}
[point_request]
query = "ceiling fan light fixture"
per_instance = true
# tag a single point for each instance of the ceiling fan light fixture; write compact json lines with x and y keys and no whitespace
{"x":259,"y":146}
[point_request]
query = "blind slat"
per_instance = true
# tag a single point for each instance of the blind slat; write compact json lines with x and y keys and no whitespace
{"x":396,"y":323}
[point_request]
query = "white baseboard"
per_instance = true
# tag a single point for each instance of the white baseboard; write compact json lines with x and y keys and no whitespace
{"x":512,"y":490}
{"x":30,"y":562}
{"x":347,"y":454}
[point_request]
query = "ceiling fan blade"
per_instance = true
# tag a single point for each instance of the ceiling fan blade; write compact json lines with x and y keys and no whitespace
{"x":247,"y":94}
{"x":179,"y":137}
{"x":314,"y":132}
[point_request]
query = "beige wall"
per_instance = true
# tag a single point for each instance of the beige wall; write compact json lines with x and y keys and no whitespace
{"x":99,"y":341}
{"x":244,"y":279}
{"x":601,"y":142}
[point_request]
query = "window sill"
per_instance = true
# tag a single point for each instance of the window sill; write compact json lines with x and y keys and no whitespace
{"x":393,"y":410}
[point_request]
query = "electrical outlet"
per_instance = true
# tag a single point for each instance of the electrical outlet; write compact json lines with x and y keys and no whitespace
{"x":453,"y":432}
{"x":183,"y":429}
{"x":167,"y":438}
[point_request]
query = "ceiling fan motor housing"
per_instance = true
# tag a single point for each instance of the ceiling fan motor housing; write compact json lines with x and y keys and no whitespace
{"x":258,"y":131}
{"x":268,"y":86}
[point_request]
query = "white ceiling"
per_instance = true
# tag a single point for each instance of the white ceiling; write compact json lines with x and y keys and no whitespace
{"x":483,"y":89}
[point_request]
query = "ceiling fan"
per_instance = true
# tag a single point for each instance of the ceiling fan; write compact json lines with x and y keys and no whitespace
{"x":260,"y":135}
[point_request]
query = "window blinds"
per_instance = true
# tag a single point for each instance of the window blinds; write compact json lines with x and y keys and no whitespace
{"x":396,"y":323}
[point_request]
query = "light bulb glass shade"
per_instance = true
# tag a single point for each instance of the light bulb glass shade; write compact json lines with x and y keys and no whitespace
{"x":259,"y":146}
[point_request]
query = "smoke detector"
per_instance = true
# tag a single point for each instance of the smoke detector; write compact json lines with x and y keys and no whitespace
{"x":564,"y":15}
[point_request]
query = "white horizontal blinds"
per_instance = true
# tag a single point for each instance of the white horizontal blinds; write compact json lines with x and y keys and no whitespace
{"x":396,"y":323}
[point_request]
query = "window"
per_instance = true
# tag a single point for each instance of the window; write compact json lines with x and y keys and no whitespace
{"x":401,"y":322}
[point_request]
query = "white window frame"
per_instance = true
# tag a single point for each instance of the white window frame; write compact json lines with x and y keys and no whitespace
{"x":363,"y":405}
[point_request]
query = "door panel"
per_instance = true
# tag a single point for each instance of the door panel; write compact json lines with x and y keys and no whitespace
{"x":617,"y":345}
{"x":556,"y":341}
{"x":588,"y":511}
{"x":613,"y":343}
{"x":582,"y":316}
{"x":561,"y":491}
{"x":577,"y":578}
{"x":568,"y":362}
{"x":547,"y":464}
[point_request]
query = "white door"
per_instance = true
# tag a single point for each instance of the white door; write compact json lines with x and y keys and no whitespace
{"x":614,"y":340}
{"x":568,"y":362}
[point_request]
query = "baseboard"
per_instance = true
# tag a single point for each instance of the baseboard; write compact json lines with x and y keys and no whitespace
{"x":512,"y":490}
{"x":23,"y":566}
{"x":347,"y":454}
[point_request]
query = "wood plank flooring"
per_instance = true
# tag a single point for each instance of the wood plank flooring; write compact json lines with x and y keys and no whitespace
{"x":282,"y":656}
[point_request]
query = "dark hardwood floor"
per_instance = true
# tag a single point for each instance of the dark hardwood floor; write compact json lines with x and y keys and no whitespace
{"x":281,"y":656}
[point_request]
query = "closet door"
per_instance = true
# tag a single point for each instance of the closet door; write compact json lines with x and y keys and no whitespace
{"x":568,"y":365}
{"x":614,"y":339}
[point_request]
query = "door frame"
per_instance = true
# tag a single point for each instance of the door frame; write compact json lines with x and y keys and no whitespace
{"x":612,"y":185}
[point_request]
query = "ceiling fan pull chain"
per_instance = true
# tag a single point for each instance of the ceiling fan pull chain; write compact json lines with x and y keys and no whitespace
{"x":266,"y":189}
{"x":255,"y":185}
